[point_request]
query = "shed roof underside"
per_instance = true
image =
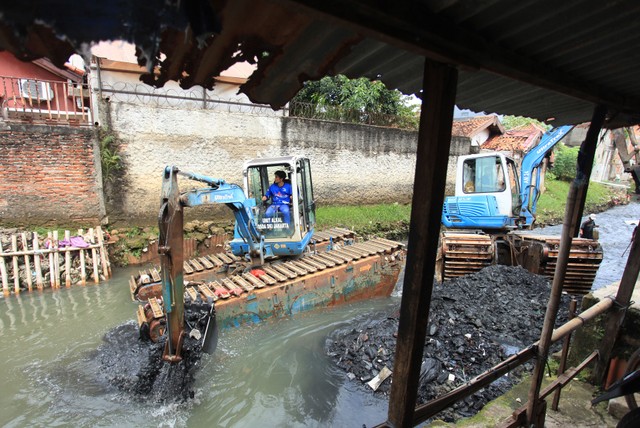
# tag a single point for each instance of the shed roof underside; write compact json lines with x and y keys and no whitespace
{"x":536,"y":58}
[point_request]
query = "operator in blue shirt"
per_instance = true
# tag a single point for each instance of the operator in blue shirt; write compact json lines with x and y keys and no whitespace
{"x":280,"y":193}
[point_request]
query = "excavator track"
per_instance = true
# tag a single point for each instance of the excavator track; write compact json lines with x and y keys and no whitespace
{"x":464,"y":254}
{"x":539,"y":254}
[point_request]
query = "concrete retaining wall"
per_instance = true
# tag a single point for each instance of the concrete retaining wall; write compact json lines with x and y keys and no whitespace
{"x":351,"y":164}
{"x":52,"y":174}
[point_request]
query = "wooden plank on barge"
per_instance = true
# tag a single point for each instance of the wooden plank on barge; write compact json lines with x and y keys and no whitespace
{"x":284,"y":271}
{"x":206,"y":263}
{"x":233,"y":288}
{"x":253,"y":280}
{"x":296,"y":269}
{"x":220,"y":291}
{"x":245,"y":285}
{"x":307,"y":267}
{"x":216,"y":261}
{"x":274,"y":274}
{"x":315,"y":263}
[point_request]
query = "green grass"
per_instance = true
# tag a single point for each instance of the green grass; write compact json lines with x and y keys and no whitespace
{"x":365,"y":219}
{"x":552,"y":203}
{"x":393,"y":219}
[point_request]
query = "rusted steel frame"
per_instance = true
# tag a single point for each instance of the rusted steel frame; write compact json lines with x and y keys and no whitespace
{"x":517,"y":419}
{"x":436,"y":405}
{"x":623,"y":297}
{"x":170,"y":248}
{"x":566,"y":377}
{"x":575,"y":323}
{"x":565,"y":352}
{"x":577,"y":194}
{"x":434,"y":139}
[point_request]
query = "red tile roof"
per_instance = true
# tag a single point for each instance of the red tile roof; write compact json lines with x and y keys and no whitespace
{"x":471,"y":126}
{"x":521,"y":139}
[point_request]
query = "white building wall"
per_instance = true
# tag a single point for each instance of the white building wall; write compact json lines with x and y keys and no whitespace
{"x":351,"y":164}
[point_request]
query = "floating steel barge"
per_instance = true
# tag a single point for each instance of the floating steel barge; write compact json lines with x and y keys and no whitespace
{"x":340,"y":270}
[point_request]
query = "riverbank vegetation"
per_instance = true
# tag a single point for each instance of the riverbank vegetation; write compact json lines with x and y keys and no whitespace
{"x":392,"y":220}
{"x":384,"y":220}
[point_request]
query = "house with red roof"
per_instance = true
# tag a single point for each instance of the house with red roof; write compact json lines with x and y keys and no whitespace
{"x":477,"y":130}
{"x":467,"y":136}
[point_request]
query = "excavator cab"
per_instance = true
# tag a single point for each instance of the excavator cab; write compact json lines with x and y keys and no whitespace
{"x":487,"y":193}
{"x":286,"y":227}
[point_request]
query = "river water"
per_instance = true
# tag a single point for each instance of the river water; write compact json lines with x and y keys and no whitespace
{"x":271,"y":375}
{"x":615,"y":236}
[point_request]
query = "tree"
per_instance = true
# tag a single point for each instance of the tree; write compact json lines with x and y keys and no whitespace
{"x":564,"y":167}
{"x":354,"y":100}
{"x":511,"y":122}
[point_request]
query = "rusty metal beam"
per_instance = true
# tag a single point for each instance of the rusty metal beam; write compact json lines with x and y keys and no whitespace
{"x":434,"y":138}
{"x":623,"y":297}
{"x":517,"y":419}
{"x":577,"y":194}
{"x":436,"y":405}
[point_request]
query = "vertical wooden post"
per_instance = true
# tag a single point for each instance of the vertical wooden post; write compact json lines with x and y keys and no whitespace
{"x":623,"y":298}
{"x":67,"y":260}
{"x":52,"y":269}
{"x":16,"y":269}
{"x":83,"y":268}
{"x":27,"y":262}
{"x":94,"y":256}
{"x":103,"y":254}
{"x":56,"y":259}
{"x":434,"y":139}
{"x":577,"y":193}
{"x":3,"y":273}
{"x":36,"y":261}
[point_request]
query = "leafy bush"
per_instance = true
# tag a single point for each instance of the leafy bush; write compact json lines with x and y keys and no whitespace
{"x":109,"y":155}
{"x":354,"y":100}
{"x":564,"y":167}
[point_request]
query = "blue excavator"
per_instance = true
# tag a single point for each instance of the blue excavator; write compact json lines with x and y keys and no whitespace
{"x":489,"y":220}
{"x":257,"y":236}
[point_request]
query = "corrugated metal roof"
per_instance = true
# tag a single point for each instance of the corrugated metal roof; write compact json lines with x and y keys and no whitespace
{"x":533,"y":58}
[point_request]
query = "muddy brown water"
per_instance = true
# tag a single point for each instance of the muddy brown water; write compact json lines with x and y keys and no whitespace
{"x":273,"y":375}
{"x":615,"y":236}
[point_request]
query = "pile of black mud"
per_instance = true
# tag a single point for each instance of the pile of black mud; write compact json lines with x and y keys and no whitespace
{"x":135,"y":367}
{"x":475,"y":322}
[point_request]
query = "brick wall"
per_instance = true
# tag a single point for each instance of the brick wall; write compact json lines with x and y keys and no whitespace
{"x":49,"y":175}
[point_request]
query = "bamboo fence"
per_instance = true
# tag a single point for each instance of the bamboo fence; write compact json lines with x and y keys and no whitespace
{"x":31,"y":263}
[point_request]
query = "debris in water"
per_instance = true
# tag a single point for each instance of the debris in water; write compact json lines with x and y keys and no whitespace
{"x":471,"y":321}
{"x":135,"y":366}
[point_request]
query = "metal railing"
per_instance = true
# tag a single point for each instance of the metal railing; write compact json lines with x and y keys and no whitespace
{"x":199,"y":98}
{"x":194,"y":98}
{"x":44,"y":101}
